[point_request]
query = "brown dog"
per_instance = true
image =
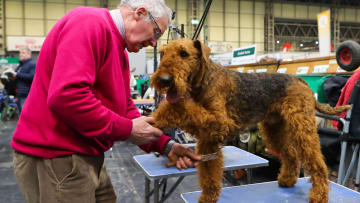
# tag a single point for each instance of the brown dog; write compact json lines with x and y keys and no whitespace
{"x":212,"y":103}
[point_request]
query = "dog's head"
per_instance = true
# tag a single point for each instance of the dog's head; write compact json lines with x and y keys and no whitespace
{"x":182,"y":68}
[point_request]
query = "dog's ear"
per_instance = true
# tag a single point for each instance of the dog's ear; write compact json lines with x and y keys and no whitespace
{"x":204,"y":53}
{"x":203,"y":49}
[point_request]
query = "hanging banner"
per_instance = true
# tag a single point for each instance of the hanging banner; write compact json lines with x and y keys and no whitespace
{"x":15,"y":43}
{"x":323,"y":19}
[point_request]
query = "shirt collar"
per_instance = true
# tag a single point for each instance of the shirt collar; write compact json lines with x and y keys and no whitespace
{"x":118,"y":20}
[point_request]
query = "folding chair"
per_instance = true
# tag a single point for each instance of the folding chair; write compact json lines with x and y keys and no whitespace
{"x":349,"y":135}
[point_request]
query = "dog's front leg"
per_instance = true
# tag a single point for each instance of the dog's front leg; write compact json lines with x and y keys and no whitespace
{"x":168,"y":116}
{"x":210,"y":172}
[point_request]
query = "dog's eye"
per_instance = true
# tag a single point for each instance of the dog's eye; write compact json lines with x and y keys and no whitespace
{"x":183,"y":54}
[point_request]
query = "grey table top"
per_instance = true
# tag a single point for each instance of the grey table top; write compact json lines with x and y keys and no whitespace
{"x":235,"y":158}
{"x":270,"y":192}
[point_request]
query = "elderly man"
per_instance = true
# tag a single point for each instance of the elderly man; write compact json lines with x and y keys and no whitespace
{"x":80,"y":104}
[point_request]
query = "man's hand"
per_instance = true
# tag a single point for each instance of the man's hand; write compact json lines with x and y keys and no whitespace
{"x":142,"y":132}
{"x":183,"y":157}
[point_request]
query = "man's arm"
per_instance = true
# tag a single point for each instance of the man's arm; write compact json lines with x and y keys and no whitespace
{"x":28,"y":75}
{"x":70,"y":94}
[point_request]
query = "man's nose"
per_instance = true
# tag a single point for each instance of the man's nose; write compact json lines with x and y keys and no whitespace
{"x":153,"y":42}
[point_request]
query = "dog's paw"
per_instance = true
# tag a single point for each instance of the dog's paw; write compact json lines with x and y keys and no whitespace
{"x":207,"y":199}
{"x":284,"y":181}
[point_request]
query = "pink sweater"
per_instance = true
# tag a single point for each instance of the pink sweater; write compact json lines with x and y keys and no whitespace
{"x":79,"y":101}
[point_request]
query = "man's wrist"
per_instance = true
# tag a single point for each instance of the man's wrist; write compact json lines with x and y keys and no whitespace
{"x":168,"y":147}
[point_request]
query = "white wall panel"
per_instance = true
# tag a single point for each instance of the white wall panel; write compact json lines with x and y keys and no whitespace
{"x":97,"y":2}
{"x":75,"y":1}
{"x":259,"y":35}
{"x":34,"y":27}
{"x":260,"y":48}
{"x":350,"y":15}
{"x":231,"y":34}
{"x":259,"y":21}
{"x":260,"y":8}
{"x":34,"y":10}
{"x":181,"y":16}
{"x":13,"y":9}
{"x":54,"y":11}
{"x":170,"y":4}
{"x":231,"y":6}
{"x":217,"y":5}
{"x":313,"y":11}
{"x":246,"y":20}
{"x":231,"y":20}
{"x":69,"y":7}
{"x":246,"y":35}
{"x":246,"y":7}
{"x":342,"y":14}
{"x":278,"y":10}
{"x":216,"y":19}
{"x":288,"y":11}
{"x":14,"y":27}
{"x":301,"y":11}
{"x":56,"y":1}
{"x":245,"y":44}
{"x":216,"y":33}
{"x":181,"y":4}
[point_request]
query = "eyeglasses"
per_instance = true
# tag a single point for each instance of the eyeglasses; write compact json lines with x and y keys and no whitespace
{"x":157,"y":30}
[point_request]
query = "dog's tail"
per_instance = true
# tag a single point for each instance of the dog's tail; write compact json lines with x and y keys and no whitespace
{"x":327,"y":109}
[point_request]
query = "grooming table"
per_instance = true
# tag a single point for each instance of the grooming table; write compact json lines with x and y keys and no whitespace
{"x":270,"y":192}
{"x":154,"y":169}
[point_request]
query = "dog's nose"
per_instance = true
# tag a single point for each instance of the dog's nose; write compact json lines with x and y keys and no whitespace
{"x":166,"y":80}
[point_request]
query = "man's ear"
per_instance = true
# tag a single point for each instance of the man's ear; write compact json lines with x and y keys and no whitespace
{"x":140,"y":13}
{"x":204,"y":50}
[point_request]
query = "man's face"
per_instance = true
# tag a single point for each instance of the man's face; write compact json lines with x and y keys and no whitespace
{"x":145,"y":33}
{"x":24,"y":54}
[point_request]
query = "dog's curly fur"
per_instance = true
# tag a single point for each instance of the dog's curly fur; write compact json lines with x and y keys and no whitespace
{"x":212,"y":103}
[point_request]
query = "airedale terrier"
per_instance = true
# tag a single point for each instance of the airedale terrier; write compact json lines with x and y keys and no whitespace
{"x":212,"y":103}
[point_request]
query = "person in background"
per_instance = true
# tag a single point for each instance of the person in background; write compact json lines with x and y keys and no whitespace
{"x":23,"y":76}
{"x":133,"y":82}
{"x":80,"y":104}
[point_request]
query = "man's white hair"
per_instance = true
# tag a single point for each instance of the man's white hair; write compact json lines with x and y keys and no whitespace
{"x":157,"y":8}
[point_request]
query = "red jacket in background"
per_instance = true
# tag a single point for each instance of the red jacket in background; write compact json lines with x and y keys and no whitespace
{"x":346,"y":93}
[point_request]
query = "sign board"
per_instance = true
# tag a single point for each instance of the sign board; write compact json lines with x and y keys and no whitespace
{"x":282,"y":70}
{"x":220,"y":47}
{"x":9,"y":62}
{"x":320,"y":69}
{"x":244,"y":55}
{"x":323,"y":19}
{"x":241,"y":70}
{"x":15,"y":43}
{"x":302,"y":70}
{"x":261,"y":70}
